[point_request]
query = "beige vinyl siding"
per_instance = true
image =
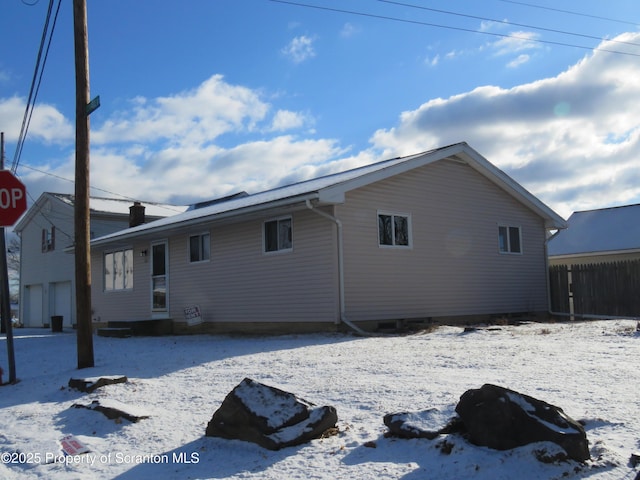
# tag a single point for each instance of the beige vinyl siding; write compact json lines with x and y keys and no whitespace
{"x":241,"y":283}
{"x":122,"y":305}
{"x":453,"y":266}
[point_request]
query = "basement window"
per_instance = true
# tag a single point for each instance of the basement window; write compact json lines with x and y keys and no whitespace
{"x":509,"y":239}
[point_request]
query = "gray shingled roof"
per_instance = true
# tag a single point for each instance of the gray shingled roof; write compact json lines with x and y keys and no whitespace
{"x":596,"y":231}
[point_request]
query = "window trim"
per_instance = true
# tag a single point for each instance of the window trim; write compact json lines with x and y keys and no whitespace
{"x":509,"y":250}
{"x":127,"y":287}
{"x":409,"y":244}
{"x":278,"y":250}
{"x":200,"y":236}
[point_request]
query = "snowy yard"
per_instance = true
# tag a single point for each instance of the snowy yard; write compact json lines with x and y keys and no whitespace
{"x":591,"y":370}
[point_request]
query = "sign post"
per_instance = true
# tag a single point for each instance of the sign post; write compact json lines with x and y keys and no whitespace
{"x":13,"y":203}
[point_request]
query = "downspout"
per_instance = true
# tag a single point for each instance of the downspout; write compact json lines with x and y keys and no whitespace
{"x":343,"y":317}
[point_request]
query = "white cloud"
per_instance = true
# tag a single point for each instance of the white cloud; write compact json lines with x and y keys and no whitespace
{"x":432,"y":61}
{"x":287,"y":120}
{"x":349,"y":30}
{"x":47,"y":123}
{"x":519,"y":60}
{"x":515,"y":42}
{"x":196,"y":116}
{"x":4,"y":76}
{"x":299,"y":49}
{"x":573,"y":139}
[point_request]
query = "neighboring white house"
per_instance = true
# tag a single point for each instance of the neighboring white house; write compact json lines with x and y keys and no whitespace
{"x":595,"y":263}
{"x":46,"y":230}
{"x":598,"y":236}
{"x":441,"y":235}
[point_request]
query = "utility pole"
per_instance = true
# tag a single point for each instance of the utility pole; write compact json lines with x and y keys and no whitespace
{"x":81,"y":212}
{"x":5,"y":303}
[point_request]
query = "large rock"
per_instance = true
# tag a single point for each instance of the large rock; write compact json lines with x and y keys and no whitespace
{"x":422,"y":424}
{"x":270,"y":417}
{"x":500,"y":418}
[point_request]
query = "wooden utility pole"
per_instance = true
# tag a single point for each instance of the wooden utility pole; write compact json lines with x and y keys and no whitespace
{"x":5,"y":302}
{"x":81,"y":217}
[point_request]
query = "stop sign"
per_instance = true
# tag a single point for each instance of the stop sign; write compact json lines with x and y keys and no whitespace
{"x":13,"y":198}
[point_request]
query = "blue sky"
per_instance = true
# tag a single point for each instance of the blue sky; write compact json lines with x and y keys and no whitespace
{"x":203,"y":98}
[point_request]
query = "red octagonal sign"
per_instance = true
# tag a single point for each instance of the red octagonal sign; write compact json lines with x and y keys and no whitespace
{"x":13,"y":198}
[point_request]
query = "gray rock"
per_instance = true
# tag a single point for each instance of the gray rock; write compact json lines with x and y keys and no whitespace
{"x":90,"y":384}
{"x":427,"y":424}
{"x":502,"y":419}
{"x":270,"y":417}
{"x":114,"y":410}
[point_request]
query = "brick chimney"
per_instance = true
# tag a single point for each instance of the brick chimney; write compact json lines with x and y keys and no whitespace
{"x":136,"y":214}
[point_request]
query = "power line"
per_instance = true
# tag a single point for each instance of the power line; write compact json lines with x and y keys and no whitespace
{"x":35,"y":82}
{"x":450,"y":27}
{"x":570,"y":12}
{"x":506,"y":22}
{"x":165,"y":206}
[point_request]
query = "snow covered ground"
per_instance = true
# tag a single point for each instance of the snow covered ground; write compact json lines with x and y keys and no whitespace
{"x":591,"y":370}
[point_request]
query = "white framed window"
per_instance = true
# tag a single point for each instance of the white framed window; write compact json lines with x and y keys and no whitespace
{"x":118,"y":270}
{"x":509,"y":239}
{"x":394,"y":230}
{"x":200,"y":247}
{"x":278,"y":235}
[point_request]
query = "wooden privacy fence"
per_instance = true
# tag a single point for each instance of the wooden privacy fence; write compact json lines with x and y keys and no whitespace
{"x":608,"y":289}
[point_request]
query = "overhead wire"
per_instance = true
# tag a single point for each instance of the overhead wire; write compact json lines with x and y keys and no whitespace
{"x":451,"y":27}
{"x":506,"y":22}
{"x":36,"y":81}
{"x":124,"y":197}
{"x":39,"y":70}
{"x":33,"y":94}
{"x":570,"y":12}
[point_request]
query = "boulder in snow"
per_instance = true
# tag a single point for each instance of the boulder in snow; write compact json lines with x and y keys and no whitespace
{"x":500,"y":418}
{"x":270,"y":417}
{"x":428,"y":423}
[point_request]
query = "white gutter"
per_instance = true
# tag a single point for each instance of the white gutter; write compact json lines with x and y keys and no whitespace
{"x":194,"y":217}
{"x":343,"y":316}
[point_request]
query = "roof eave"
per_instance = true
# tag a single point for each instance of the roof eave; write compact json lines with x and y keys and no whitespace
{"x":150,"y":229}
{"x":623,"y":251}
